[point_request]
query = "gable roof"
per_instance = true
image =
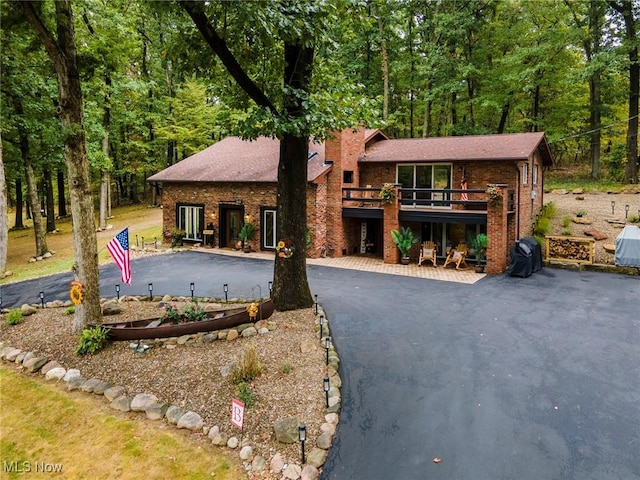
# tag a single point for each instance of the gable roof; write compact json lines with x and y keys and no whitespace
{"x":237,"y":160}
{"x":512,"y":146}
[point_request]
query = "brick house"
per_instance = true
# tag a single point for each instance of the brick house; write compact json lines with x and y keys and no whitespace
{"x":440,"y":185}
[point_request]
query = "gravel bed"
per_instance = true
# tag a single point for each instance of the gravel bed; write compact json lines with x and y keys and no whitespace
{"x":597,"y":206}
{"x":189,"y":375}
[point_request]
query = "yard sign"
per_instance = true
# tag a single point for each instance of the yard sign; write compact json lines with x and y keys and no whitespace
{"x":237,"y":412}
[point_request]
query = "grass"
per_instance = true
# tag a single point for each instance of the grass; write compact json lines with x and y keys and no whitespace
{"x":142,"y":222}
{"x":81,"y":435}
{"x":577,"y":176}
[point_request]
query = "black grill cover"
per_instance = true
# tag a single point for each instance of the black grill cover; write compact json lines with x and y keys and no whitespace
{"x":536,"y":253}
{"x":521,"y":260}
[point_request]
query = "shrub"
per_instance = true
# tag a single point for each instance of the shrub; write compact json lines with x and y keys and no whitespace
{"x":286,"y":367}
{"x":581,"y":213}
{"x":248,"y":368}
{"x":542,"y":227}
{"x":92,"y":340}
{"x":634,"y":218}
{"x":548,"y":210}
{"x":170,"y":314}
{"x":14,"y":317}
{"x":70,"y":310}
{"x":194,"y":313}
{"x":566,"y":221}
{"x":566,"y":231}
{"x":245,"y":394}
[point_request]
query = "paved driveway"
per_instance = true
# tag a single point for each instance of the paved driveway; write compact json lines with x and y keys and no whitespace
{"x":509,"y":378}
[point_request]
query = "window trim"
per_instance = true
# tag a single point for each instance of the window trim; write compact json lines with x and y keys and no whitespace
{"x":525,"y":173}
{"x":433,"y":165}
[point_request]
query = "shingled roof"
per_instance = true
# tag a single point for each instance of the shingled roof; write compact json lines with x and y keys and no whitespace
{"x":237,"y":160}
{"x":514,"y":146}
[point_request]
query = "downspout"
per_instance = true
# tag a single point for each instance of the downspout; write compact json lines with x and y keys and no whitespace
{"x":518,"y":183}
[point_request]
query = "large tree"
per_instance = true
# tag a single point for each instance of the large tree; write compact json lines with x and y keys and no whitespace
{"x":4,"y":234}
{"x":61,"y":49}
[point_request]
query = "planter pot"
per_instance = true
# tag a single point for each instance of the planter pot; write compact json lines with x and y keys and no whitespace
{"x":479,"y":268}
{"x":404,"y":260}
{"x":246,"y":248}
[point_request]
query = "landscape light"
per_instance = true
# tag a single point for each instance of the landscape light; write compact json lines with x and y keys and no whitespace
{"x":327,"y":345}
{"x":151,"y":291}
{"x":321,"y":325}
{"x":316,"y":303}
{"x":118,"y":291}
{"x":270,"y":288}
{"x":192,"y":287}
{"x":326,"y":386}
{"x":225,"y":287}
{"x":302,"y":436}
{"x":613,"y":207}
{"x":626,"y":211}
{"x":42,"y":299}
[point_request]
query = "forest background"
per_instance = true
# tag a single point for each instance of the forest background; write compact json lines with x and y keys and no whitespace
{"x":153,"y":94}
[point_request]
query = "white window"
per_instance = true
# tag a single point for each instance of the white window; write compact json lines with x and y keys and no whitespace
{"x":269,"y":232}
{"x":535,"y":174}
{"x":525,"y":173}
{"x":190,"y":218}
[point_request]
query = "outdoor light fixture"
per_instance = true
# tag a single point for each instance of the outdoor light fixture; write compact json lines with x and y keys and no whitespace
{"x":137,"y":241}
{"x":225,"y":287}
{"x":613,"y":207}
{"x":302,"y":436}
{"x":270,"y":288}
{"x":142,"y":242}
{"x":321,"y":325}
{"x":327,"y":345}
{"x":192,"y":288}
{"x":155,"y":242}
{"x":42,"y":299}
{"x":151,"y":291}
{"x":626,"y":211}
{"x":118,"y":291}
{"x":326,"y":386}
{"x":316,"y":303}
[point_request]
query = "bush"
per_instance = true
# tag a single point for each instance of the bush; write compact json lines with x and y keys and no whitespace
{"x":548,"y":210}
{"x":634,"y":218}
{"x":92,"y":340}
{"x":249,"y":367}
{"x":286,"y":367}
{"x":14,"y":317}
{"x":194,"y":313}
{"x":70,"y":310}
{"x":543,"y":227}
{"x":566,"y":231}
{"x":170,"y":314}
{"x":245,"y":394}
{"x":566,"y":221}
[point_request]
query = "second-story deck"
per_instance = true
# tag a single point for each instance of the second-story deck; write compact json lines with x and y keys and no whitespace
{"x":450,"y":205}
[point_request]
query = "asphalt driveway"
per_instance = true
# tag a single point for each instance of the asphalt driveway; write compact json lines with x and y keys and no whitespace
{"x":509,"y":378}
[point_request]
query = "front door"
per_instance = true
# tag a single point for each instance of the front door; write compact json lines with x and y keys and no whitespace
{"x":230,"y":225}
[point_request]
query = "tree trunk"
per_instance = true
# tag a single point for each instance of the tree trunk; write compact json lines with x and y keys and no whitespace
{"x":62,"y":53}
{"x":48,"y":192}
{"x":62,"y":201}
{"x":19,"y":223}
{"x":595,"y":110}
{"x":384,"y":65}
{"x":4,"y":221}
{"x":105,"y":178}
{"x":503,"y":117}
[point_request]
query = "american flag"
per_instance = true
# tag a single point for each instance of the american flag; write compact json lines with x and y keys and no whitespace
{"x":119,"y":249}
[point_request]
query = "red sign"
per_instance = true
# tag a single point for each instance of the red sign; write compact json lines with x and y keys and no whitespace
{"x":237,"y":412}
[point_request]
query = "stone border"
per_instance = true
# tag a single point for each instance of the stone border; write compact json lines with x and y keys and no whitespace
{"x":154,"y":409}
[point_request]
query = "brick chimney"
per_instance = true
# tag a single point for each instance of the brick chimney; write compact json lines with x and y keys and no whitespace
{"x":343,"y":149}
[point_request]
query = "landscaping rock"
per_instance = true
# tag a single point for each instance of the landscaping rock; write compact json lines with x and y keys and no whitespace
{"x":111,"y":307}
{"x":609,"y":247}
{"x":232,"y":334}
{"x":173,"y":414}
{"x":75,"y":383}
{"x":246,"y":453}
{"x":286,"y":430}
{"x":324,"y":441}
{"x":27,"y":310}
{"x":309,"y":472}
{"x":49,"y":366}
{"x":259,"y":464}
{"x":317,"y":457}
{"x":233,"y":442}
{"x":292,"y":472}
{"x":12,"y":354}
{"x":329,"y":428}
{"x":122,"y":403}
{"x":592,"y":232}
{"x":89,"y":385}
{"x":101,"y":387}
{"x":156,"y":411}
{"x":219,"y":439}
{"x":34,"y":364}
{"x":581,"y":221}
{"x":209,"y":338}
{"x":333,"y":418}
{"x":249,"y":332}
{"x":114,"y":392}
{"x":142,"y":400}
{"x":55,"y":373}
{"x":277,"y":463}
{"x":71,"y":373}
{"x":191,"y":421}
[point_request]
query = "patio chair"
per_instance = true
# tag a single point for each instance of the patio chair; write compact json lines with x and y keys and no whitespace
{"x":428,"y":253}
{"x":458,"y":256}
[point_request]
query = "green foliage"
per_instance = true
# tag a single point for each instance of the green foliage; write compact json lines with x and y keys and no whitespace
{"x":480,"y":244}
{"x":616,"y":162}
{"x":581,"y":213}
{"x":194,"y":312}
{"x":566,"y":231}
{"x":387,"y":194}
{"x":70,"y":310}
{"x":248,"y":368}
{"x":14,"y":317}
{"x":285,"y":367}
{"x":403,"y":239}
{"x":566,"y":221}
{"x":549,"y":210}
{"x":634,"y":218}
{"x":542,"y":227}
{"x":247,"y":232}
{"x":170,"y":314}
{"x":92,"y":340}
{"x":246,"y":394}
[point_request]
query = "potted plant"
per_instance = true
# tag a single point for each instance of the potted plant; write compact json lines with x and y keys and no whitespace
{"x":247,"y":233}
{"x":403,"y":239}
{"x":388,"y":193}
{"x":479,"y":245}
